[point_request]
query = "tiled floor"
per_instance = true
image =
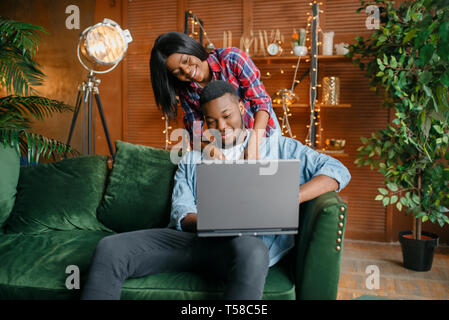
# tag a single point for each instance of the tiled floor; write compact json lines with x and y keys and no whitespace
{"x":395,"y":282}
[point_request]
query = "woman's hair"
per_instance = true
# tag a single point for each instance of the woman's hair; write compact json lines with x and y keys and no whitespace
{"x":165,"y":85}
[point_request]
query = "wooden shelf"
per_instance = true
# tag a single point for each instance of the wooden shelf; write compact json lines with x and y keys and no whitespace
{"x":305,"y":105}
{"x":334,"y":153}
{"x":294,"y":59}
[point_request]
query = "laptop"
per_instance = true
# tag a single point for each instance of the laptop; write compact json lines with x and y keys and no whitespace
{"x":236,"y":198}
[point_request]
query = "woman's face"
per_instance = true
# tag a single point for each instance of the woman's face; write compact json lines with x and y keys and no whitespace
{"x":188,"y":68}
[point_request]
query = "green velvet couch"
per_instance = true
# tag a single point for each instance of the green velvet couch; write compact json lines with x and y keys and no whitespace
{"x":52,"y":216}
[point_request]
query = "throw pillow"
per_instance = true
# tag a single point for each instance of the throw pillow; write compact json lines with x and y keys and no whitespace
{"x":138,"y":194}
{"x":9,"y":177}
{"x":62,"y":195}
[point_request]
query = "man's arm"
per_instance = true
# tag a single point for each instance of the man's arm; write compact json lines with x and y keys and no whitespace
{"x":316,"y":187}
{"x":183,"y":196}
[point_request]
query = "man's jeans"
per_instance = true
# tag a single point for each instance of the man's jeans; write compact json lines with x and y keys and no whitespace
{"x":242,"y":262}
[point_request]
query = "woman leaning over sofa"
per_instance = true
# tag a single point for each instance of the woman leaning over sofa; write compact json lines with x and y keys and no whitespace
{"x":180,"y":67}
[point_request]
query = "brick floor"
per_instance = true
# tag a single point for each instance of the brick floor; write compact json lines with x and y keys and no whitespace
{"x":395,"y":281}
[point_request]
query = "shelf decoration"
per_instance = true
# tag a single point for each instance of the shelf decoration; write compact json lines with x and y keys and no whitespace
{"x":299,"y":42}
{"x":331,"y":91}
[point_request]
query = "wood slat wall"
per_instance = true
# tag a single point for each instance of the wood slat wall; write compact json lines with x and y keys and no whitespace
{"x":147,"y":19}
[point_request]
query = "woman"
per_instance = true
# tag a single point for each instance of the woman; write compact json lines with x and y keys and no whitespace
{"x":180,"y":66}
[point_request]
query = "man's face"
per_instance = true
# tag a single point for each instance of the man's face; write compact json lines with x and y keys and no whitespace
{"x":224,"y":114}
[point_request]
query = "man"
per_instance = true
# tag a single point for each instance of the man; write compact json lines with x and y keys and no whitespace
{"x":243,"y":262}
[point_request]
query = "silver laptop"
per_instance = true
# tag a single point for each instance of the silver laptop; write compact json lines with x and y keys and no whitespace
{"x":244,"y":197}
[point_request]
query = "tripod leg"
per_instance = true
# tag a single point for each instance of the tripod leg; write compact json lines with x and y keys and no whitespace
{"x":103,"y":120}
{"x":89,"y":122}
{"x":75,"y":116}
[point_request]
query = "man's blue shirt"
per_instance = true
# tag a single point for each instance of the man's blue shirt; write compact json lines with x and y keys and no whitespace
{"x":312,"y":164}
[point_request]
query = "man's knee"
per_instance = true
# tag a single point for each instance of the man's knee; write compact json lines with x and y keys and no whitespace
{"x":109,"y":249}
{"x":252,"y":250}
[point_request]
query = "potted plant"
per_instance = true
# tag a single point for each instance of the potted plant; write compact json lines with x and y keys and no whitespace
{"x":18,"y":73}
{"x":299,"y":42}
{"x":407,"y":60}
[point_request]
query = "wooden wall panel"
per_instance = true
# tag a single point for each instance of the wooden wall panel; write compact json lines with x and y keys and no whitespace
{"x":146,"y":20}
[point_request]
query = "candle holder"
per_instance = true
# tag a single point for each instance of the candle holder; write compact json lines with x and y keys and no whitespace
{"x":331,"y":91}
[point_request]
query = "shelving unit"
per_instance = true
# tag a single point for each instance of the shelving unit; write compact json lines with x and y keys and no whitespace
{"x":304,"y":105}
{"x":313,"y":106}
{"x":293,"y":59}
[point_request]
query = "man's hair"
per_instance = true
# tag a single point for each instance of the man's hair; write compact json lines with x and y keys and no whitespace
{"x":216,"y":89}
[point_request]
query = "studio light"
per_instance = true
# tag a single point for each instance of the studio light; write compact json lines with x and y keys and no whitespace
{"x":103,"y":44}
{"x":100,"y":49}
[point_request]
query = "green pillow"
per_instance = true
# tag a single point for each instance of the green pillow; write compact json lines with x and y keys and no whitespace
{"x":138,"y":194}
{"x":9,"y":177}
{"x":62,"y":195}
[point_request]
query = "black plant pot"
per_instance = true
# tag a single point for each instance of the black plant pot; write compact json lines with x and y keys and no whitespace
{"x":418,"y":254}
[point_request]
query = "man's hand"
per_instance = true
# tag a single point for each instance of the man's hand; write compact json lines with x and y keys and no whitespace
{"x":189,"y":222}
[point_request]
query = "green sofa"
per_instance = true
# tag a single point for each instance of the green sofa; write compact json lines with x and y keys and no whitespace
{"x":52,"y":216}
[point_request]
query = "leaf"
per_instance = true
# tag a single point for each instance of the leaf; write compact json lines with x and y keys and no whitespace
{"x":415,"y":199}
{"x":379,"y":197}
{"x":383,"y":191}
{"x":385,"y":201}
{"x":399,"y":206}
{"x":424,"y":219}
{"x":394,"y":199}
{"x":425,"y":77}
{"x":426,"y":53}
{"x":393,"y":187}
{"x":445,"y":78}
{"x":409,"y":35}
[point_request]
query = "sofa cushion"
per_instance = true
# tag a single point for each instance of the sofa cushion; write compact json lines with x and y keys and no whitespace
{"x":34,"y":266}
{"x":10,"y":169}
{"x":138,"y":193}
{"x":193,"y":286}
{"x":62,"y":195}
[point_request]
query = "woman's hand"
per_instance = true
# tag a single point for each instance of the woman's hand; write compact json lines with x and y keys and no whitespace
{"x":252,"y":149}
{"x":212,"y":151}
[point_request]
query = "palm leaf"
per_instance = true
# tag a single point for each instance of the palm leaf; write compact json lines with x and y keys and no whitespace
{"x":18,"y":45}
{"x":30,"y":107}
{"x":35,"y":146}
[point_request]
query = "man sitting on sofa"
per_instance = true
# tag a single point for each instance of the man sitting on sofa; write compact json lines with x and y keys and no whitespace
{"x":243,"y":262}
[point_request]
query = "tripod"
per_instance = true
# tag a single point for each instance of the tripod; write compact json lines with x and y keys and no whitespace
{"x":85,"y":92}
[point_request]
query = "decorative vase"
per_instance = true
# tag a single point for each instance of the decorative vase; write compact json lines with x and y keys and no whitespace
{"x":328,"y":39}
{"x":331,"y":90}
{"x":300,"y":51}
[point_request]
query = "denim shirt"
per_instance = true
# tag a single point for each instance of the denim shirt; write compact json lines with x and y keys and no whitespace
{"x":312,"y":164}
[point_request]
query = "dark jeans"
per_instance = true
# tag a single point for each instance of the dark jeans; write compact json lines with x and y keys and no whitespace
{"x":241,"y":261}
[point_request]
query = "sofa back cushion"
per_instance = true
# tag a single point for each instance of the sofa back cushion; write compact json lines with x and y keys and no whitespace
{"x":9,"y":177}
{"x":62,"y":195}
{"x":138,"y":193}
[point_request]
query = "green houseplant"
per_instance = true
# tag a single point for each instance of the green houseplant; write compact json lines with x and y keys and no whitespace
{"x":19,"y":72}
{"x":407,"y":60}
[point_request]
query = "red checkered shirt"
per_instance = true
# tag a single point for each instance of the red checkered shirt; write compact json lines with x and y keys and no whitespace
{"x":234,"y":66}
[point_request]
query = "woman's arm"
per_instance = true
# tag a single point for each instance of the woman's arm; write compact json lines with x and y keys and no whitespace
{"x":260,"y":124}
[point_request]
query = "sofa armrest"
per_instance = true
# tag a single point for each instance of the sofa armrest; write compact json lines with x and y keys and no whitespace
{"x":319,"y":245}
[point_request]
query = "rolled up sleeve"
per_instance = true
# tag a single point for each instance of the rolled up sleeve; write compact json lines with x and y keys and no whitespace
{"x":314,"y":163}
{"x":183,"y":197}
